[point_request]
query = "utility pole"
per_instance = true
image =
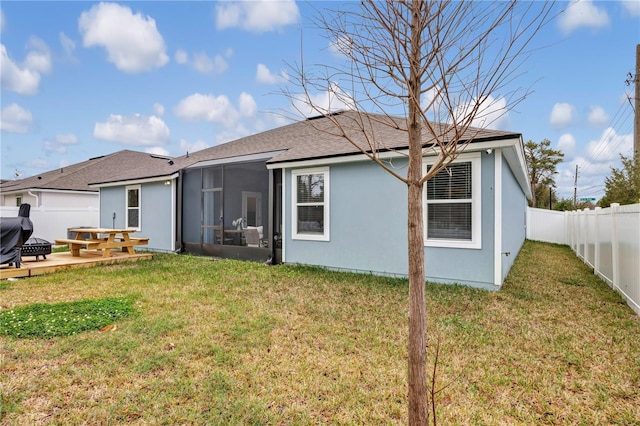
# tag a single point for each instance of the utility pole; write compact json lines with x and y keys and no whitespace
{"x":575,"y":189}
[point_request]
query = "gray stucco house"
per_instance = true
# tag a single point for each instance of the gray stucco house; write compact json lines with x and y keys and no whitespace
{"x":302,"y":194}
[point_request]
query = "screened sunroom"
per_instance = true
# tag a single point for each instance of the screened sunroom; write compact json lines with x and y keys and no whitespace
{"x":228,"y":209}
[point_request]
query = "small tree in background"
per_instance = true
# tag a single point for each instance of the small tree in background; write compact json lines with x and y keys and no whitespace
{"x":438,"y":64}
{"x":541,"y":162}
{"x":564,"y":204}
{"x":622,"y":186}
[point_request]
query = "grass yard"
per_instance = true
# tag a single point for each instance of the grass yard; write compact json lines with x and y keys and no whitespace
{"x":227,"y":342}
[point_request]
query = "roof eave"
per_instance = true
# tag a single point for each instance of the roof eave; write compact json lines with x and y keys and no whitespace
{"x":134,"y":181}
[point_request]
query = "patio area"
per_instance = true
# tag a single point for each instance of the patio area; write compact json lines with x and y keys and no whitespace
{"x":29,"y":266}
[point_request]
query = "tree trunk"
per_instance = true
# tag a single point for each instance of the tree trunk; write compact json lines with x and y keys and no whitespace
{"x":418,"y":400}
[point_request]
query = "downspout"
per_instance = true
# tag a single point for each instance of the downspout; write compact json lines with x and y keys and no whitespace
{"x":36,"y":197}
{"x":272,"y":217}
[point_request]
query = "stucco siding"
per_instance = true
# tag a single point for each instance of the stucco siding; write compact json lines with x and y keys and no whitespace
{"x":367,"y":223}
{"x":368,"y":229}
{"x":514,"y":204}
{"x":156,"y":213}
{"x":112,"y":200}
{"x":473,"y":267}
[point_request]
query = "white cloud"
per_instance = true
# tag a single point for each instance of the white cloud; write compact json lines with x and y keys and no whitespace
{"x":562,"y":115}
{"x":192,"y":147}
{"x":590,"y":177}
{"x":609,"y":146}
{"x":341,"y":46}
{"x":247,"y":105}
{"x":39,"y":57}
{"x":37,"y":163}
{"x":51,"y":146}
{"x":256,"y":16}
{"x":67,"y":139}
{"x":264,"y":75}
{"x":632,"y":6}
{"x":594,"y":164}
{"x":132,"y":40}
{"x":598,"y":117}
{"x":25,"y":78}
{"x":202,"y":63}
{"x":325,"y":102}
{"x":136,"y":130}
{"x":199,"y":107}
{"x":158,"y":109}
{"x":15,"y":119}
{"x":181,"y":56}
{"x":582,"y":13}
{"x":60,"y":142}
{"x":567,"y":144}
{"x":492,"y":114}
{"x":232,"y":134}
{"x":68,"y":45}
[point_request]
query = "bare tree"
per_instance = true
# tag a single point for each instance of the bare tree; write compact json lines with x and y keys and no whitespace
{"x":438,"y":64}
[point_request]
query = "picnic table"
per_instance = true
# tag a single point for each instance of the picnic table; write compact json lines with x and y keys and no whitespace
{"x":103,"y":239}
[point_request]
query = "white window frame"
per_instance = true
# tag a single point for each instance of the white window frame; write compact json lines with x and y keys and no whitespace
{"x":127,"y":207}
{"x":294,"y":204}
{"x":476,"y":206}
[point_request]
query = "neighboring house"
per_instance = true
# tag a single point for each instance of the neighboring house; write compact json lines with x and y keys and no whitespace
{"x":62,"y":198}
{"x":315,"y":199}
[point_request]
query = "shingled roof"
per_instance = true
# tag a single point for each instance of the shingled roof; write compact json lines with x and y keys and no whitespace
{"x":77,"y":177}
{"x":314,"y":138}
{"x":319,"y":138}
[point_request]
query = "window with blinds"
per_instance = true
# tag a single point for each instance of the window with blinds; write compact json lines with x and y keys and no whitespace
{"x":449,"y":203}
{"x":310,"y":204}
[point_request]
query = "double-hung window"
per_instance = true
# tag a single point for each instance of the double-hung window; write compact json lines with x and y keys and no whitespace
{"x":133,"y":207}
{"x":452,"y":205}
{"x":310,"y":204}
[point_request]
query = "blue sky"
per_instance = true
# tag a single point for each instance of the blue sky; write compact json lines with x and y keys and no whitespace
{"x":83,"y":79}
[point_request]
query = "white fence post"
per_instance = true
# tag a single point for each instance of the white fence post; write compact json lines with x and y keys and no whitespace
{"x":615,"y":256}
{"x":596,"y":240}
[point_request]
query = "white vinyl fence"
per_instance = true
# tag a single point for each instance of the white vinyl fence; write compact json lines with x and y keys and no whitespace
{"x":608,"y":240}
{"x":51,"y":223}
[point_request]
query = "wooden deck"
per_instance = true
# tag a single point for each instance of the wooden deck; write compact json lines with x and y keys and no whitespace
{"x":54,"y":262}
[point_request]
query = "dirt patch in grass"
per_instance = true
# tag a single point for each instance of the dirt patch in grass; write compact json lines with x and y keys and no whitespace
{"x":232,"y":342}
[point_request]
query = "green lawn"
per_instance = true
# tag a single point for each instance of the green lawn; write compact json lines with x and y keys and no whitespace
{"x":228,"y":342}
